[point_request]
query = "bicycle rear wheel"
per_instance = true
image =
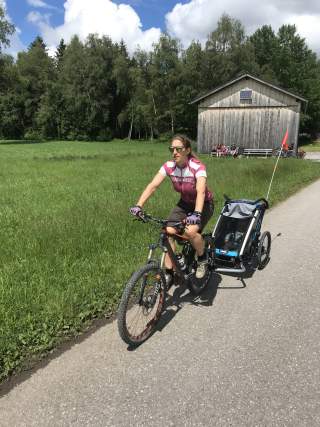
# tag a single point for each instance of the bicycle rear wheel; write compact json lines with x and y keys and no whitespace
{"x":141,"y":304}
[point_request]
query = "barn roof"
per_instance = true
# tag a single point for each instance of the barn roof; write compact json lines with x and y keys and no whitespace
{"x":247,"y":76}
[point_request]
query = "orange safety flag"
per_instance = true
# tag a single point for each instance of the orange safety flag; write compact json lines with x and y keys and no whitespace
{"x":284,"y":144}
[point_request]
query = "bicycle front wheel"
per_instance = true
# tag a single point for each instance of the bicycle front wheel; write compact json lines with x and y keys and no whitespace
{"x":141,"y":304}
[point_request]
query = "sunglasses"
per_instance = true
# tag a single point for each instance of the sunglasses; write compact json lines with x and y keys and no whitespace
{"x":178,"y":149}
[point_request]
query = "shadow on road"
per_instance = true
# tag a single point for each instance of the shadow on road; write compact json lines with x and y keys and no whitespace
{"x":182,"y":296}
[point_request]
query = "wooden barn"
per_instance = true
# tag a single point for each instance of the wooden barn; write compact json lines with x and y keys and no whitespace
{"x":249,"y":113}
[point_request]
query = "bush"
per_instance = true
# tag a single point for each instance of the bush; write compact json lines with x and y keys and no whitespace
{"x":77,"y":136}
{"x":304,"y":139}
{"x":105,"y":135}
{"x":165,"y":137}
{"x":33,"y":135}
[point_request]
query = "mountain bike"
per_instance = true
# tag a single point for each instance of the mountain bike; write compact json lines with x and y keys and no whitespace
{"x":144,"y":296}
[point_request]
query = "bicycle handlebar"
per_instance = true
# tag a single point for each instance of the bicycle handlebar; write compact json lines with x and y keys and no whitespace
{"x":163,"y":222}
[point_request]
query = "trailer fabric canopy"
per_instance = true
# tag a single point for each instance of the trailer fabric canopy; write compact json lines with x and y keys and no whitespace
{"x":239,"y":210}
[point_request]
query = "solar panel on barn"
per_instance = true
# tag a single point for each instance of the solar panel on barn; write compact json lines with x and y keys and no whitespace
{"x":246,"y":94}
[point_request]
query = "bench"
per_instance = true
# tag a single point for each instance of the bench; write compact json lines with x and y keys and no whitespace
{"x":257,"y":152}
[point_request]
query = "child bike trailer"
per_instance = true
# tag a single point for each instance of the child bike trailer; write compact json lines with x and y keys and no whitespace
{"x":238,"y":242}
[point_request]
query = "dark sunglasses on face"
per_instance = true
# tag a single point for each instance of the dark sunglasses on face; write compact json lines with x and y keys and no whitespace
{"x":178,"y":149}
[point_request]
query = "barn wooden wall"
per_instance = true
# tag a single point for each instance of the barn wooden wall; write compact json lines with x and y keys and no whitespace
{"x":262,"y":124}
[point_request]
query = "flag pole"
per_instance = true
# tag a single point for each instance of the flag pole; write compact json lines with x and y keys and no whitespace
{"x":275,"y":167}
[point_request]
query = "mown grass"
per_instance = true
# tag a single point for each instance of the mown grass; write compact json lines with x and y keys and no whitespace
{"x":68,"y":244}
{"x":314,"y":146}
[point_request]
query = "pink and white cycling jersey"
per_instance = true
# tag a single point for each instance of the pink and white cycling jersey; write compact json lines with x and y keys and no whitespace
{"x":184,"y":179}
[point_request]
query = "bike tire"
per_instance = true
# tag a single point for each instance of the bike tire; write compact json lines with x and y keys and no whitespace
{"x":263,"y":252}
{"x":141,"y":304}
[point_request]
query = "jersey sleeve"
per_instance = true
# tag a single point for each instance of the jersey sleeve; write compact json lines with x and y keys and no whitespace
{"x":163,"y":170}
{"x":201,"y":171}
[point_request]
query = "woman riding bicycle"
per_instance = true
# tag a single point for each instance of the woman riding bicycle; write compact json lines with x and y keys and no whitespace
{"x":188,"y":176}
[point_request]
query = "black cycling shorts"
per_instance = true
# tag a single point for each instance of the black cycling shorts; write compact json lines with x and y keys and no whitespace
{"x":180,"y":212}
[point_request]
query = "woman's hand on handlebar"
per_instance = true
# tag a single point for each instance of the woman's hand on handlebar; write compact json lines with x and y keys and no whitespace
{"x":194,"y":218}
{"x":136,"y":211}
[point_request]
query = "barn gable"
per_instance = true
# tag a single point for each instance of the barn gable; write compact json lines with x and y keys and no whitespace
{"x":247,"y":112}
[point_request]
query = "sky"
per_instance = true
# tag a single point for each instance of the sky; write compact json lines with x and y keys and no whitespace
{"x":140,"y":22}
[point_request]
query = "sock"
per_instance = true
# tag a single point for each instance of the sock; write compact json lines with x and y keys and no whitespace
{"x":202,"y":257}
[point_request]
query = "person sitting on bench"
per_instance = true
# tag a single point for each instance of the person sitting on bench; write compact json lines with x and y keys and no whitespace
{"x":222,"y":150}
{"x":234,"y":151}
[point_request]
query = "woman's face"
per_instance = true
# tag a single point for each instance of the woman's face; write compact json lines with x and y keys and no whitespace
{"x":179,"y":152}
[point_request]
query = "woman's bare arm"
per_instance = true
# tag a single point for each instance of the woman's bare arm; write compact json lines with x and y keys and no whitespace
{"x":201,"y":193}
{"x":150,"y":189}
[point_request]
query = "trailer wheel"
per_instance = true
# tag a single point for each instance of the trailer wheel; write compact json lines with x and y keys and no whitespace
{"x":264,"y":247}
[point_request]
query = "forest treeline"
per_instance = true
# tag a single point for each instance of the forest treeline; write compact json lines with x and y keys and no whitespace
{"x":95,"y":90}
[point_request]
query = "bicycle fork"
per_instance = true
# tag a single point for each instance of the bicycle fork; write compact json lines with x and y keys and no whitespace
{"x":166,"y":251}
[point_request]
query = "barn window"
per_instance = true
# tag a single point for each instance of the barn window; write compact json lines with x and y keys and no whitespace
{"x":246,"y":97}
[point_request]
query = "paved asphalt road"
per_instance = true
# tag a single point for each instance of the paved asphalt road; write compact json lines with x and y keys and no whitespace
{"x":247,"y":354}
{"x":313,"y":155}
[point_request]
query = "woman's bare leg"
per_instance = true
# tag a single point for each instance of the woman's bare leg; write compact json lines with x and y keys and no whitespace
{"x":167,"y":260}
{"x":192,"y":233}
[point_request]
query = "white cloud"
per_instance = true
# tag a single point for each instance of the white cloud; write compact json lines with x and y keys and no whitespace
{"x":37,"y":3}
{"x":102,"y":17}
{"x":38,"y":18}
{"x":41,"y":4}
{"x":196,"y":19}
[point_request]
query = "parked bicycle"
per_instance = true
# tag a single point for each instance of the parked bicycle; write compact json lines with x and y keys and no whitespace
{"x":300,"y":154}
{"x":144,"y":295}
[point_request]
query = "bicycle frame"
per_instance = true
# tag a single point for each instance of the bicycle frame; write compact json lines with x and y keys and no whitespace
{"x":164,"y":245}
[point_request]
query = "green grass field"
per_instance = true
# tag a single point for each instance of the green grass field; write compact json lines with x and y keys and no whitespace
{"x":68,"y":244}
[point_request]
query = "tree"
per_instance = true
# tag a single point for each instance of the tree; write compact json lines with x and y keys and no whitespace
{"x":192,"y":83}
{"x":266,"y":45}
{"x":140,"y":110}
{"x":123,"y":89}
{"x":60,"y":53}
{"x":36,"y":70}
{"x":227,"y":52}
{"x":11,"y":100}
{"x":72,"y":78}
{"x":107,"y":86}
{"x":6,"y":29}
{"x":294,"y":66}
{"x":298,"y":70}
{"x":165,"y":72}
